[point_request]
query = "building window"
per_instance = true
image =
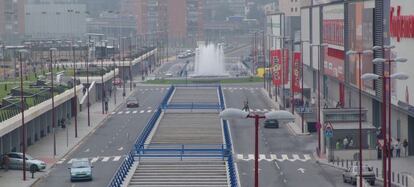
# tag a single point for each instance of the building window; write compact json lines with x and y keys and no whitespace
{"x":291,"y":9}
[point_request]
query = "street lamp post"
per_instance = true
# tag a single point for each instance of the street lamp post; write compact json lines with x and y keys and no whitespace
{"x":87,"y":80}
{"x":23,"y":139}
{"x":75,"y":103}
{"x":318,"y":125}
{"x":385,"y":150}
{"x":232,"y":113}
{"x":360,"y":53}
{"x":383,"y":62}
{"x":302,"y":84}
{"x":53,"y":100}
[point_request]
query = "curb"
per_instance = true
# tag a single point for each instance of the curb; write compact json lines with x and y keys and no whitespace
{"x":70,"y":151}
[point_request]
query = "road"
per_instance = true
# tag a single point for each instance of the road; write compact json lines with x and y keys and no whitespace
{"x":108,"y":145}
{"x":285,"y":169}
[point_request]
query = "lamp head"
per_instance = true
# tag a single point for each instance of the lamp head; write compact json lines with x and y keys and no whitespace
{"x":280,"y":115}
{"x":399,"y":59}
{"x":378,"y":60}
{"x":351,"y":52}
{"x":233,"y":113}
{"x":370,"y":76}
{"x":399,"y":76}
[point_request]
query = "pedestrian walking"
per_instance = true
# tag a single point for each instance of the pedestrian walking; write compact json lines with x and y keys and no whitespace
{"x":246,"y":106}
{"x":351,"y":143}
{"x":405,"y":145}
{"x":106,"y":107}
{"x":398,"y":148}
{"x":338,"y":144}
{"x":6,"y":163}
{"x":345,"y":142}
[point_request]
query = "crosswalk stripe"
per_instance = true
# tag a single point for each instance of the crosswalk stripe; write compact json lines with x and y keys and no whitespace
{"x":105,"y":159}
{"x":127,"y":112}
{"x":94,"y":159}
{"x":265,"y":110}
{"x":257,"y":110}
{"x":70,"y":161}
{"x":141,"y":111}
{"x":113,"y":113}
{"x":274,"y":157}
{"x":149,"y":111}
{"x":116,"y":158}
{"x":120,"y":112}
{"x":134,"y":112}
{"x":60,"y":161}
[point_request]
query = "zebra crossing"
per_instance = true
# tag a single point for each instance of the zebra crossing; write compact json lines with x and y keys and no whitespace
{"x":275,"y":157}
{"x":241,"y":88}
{"x":94,"y":159}
{"x":131,"y":112}
{"x":152,"y":89}
{"x":264,"y":110}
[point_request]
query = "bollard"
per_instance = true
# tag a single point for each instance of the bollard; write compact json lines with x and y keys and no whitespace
{"x":398,"y":178}
{"x":376,"y":172}
{"x":342,"y":163}
{"x":347,"y":164}
{"x":393,"y":177}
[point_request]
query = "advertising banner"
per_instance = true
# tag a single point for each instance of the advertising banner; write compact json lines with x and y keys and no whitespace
{"x":333,"y":35}
{"x":296,"y":67}
{"x":402,"y":37}
{"x":277,"y":65}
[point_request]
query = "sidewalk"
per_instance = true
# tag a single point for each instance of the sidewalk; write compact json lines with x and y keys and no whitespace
{"x":65,"y":142}
{"x":402,"y":168}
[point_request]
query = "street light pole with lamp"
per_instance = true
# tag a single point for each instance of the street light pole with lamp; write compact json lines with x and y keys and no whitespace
{"x":360,"y":53}
{"x":385,"y":150}
{"x":233,"y":113}
{"x":318,"y":125}
{"x":302,"y":84}
{"x":23,"y":140}
{"x":389,"y":61}
{"x":53,"y":100}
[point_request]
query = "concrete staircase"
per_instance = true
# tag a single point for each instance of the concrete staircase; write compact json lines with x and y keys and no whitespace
{"x":173,"y":173}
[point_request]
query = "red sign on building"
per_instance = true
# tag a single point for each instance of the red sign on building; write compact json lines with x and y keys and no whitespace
{"x":401,"y":26}
{"x":277,"y":65}
{"x":296,"y":72}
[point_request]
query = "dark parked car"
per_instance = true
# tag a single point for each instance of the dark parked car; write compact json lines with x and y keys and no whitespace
{"x":271,"y":123}
{"x":351,"y":175}
{"x":132,"y":102}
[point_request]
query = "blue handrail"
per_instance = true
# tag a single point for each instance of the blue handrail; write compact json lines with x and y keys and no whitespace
{"x":122,"y":171}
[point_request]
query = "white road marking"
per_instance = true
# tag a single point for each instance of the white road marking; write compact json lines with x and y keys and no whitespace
{"x":257,"y":110}
{"x":94,"y":159}
{"x":60,"y":161}
{"x":149,"y":111}
{"x":113,"y":113}
{"x":121,"y":148}
{"x":134,"y":112}
{"x":87,"y":150}
{"x":127,"y":112}
{"x":116,"y":158}
{"x":105,"y":159}
{"x":120,"y":112}
{"x":141,"y":111}
{"x":274,"y":157}
{"x":301,"y":170}
{"x":265,"y":110}
{"x":70,"y":161}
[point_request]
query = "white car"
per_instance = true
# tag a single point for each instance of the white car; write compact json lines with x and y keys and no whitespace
{"x":16,"y":162}
{"x":81,"y":169}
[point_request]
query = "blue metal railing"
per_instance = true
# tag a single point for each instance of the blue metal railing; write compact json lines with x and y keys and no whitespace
{"x":192,"y":105}
{"x":230,"y":163}
{"x":123,"y":169}
{"x":182,"y":150}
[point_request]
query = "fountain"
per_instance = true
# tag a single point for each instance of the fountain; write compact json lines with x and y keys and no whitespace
{"x":209,"y":61}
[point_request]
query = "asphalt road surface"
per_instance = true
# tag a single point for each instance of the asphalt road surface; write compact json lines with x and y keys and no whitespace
{"x":108,"y":145}
{"x":292,"y":163}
